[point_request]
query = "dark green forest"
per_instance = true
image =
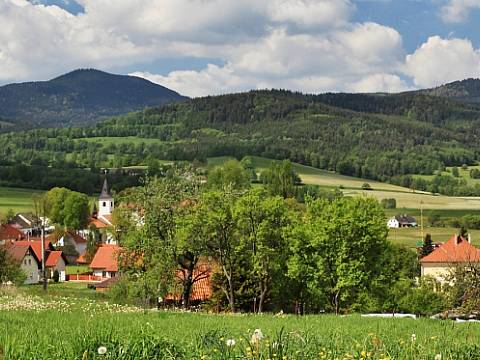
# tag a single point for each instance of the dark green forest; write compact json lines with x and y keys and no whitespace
{"x":373,"y":136}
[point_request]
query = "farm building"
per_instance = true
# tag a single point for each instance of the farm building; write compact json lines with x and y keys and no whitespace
{"x":456,"y":251}
{"x":56,"y":261}
{"x":403,"y":220}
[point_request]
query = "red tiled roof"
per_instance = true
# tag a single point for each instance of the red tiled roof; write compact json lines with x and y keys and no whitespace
{"x":106,"y":258}
{"x":455,"y":250}
{"x":81,"y":259}
{"x":18,"y":251}
{"x":108,"y":219}
{"x":98,"y":223}
{"x":202,"y":287}
{"x":36,"y":246}
{"x":9,"y":232}
{"x":52,"y":258}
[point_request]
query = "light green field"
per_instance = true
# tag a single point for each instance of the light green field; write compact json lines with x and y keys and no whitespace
{"x":77,"y":328}
{"x":107,"y":140}
{"x":20,"y":200}
{"x":406,"y":198}
{"x":463,"y":174}
{"x":412,"y":237}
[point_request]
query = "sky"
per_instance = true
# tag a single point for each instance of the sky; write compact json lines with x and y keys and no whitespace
{"x":209,"y":47}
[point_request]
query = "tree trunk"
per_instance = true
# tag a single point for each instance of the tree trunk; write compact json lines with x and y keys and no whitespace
{"x":263,"y":294}
{"x":187,"y":286}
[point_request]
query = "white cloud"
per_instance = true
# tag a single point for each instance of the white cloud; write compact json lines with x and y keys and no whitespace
{"x":456,"y":11}
{"x":304,"y":62}
{"x":379,"y":83}
{"x":439,"y":61}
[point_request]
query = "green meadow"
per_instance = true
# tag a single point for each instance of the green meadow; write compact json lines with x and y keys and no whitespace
{"x":19,"y":200}
{"x":59,"y":327}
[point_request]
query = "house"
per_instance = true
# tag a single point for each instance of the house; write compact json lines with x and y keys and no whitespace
{"x":104,"y":264}
{"x":393,"y":223}
{"x":71,"y":238}
{"x":28,"y":260}
{"x":56,"y":261}
{"x":404,"y":220}
{"x":27,"y":223}
{"x":10,"y":233}
{"x":201,"y":288}
{"x":456,"y":251}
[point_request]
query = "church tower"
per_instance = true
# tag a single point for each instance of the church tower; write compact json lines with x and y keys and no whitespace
{"x":106,"y":203}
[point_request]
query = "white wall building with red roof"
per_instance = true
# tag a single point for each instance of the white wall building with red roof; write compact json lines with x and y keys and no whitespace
{"x":105,"y":264}
{"x":457,"y":251}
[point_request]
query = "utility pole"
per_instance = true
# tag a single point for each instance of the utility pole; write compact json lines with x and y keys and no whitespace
{"x":421,"y":219}
{"x":40,"y":213}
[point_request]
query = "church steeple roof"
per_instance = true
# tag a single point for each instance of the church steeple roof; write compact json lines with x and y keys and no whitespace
{"x":105,"y":194}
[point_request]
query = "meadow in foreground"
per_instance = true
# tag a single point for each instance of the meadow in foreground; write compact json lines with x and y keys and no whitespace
{"x":36,"y":327}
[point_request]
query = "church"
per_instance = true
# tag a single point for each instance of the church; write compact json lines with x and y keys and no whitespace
{"x":102,"y":215}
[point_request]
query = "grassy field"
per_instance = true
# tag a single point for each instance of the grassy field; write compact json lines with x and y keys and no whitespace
{"x":107,"y":140}
{"x":413,"y":236}
{"x":20,"y":200}
{"x":463,"y":174}
{"x":55,"y":327}
{"x":405,"y":197}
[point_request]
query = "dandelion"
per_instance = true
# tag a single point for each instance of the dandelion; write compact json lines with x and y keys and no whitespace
{"x":230,"y":342}
{"x":438,"y":357}
{"x":413,"y":337}
{"x":257,"y":336}
{"x":102,"y":350}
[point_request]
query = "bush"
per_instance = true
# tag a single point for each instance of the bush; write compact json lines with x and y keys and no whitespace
{"x":389,"y":203}
{"x":56,"y":276}
{"x":366,"y":186}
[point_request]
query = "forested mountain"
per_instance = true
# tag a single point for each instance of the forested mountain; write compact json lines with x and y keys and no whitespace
{"x":79,"y":97}
{"x":387,"y":137}
{"x":465,"y":90}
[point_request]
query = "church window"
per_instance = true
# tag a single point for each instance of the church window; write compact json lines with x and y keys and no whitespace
{"x":104,"y":204}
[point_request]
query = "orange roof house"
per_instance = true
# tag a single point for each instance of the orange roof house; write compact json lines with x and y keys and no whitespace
{"x":36,"y":246}
{"x":456,"y":251}
{"x":202,"y":287}
{"x":105,"y":264}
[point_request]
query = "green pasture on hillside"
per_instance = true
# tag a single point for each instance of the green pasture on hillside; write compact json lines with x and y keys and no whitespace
{"x":413,"y":236}
{"x":406,"y":198}
{"x":20,"y":200}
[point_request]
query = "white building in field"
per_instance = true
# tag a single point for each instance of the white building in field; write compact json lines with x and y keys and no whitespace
{"x":393,"y":223}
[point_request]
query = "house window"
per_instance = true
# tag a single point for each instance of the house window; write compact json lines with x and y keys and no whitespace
{"x":104,"y":204}
{"x":104,"y":274}
{"x":29,"y":261}
{"x":25,"y":261}
{"x":111,"y":203}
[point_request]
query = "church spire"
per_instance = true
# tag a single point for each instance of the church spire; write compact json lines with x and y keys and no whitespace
{"x":105,"y":194}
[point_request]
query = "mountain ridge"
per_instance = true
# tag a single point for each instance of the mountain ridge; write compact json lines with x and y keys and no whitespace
{"x":82,"y":96}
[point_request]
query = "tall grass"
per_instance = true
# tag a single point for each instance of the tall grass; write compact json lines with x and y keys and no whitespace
{"x":84,"y":326}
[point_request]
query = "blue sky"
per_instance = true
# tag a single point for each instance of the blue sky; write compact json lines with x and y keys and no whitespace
{"x":202,"y":47}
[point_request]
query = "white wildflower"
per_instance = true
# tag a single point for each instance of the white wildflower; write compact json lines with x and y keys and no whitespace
{"x":414,"y":337}
{"x":102,"y":350}
{"x":257,"y":336}
{"x":230,"y":342}
{"x":438,"y":357}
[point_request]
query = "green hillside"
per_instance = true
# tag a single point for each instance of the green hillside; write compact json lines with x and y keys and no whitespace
{"x":81,"y":96}
{"x":382,"y":138}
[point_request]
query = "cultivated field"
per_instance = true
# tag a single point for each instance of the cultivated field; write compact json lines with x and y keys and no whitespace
{"x":17,"y":199}
{"x":53,"y":327}
{"x":405,"y":197}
